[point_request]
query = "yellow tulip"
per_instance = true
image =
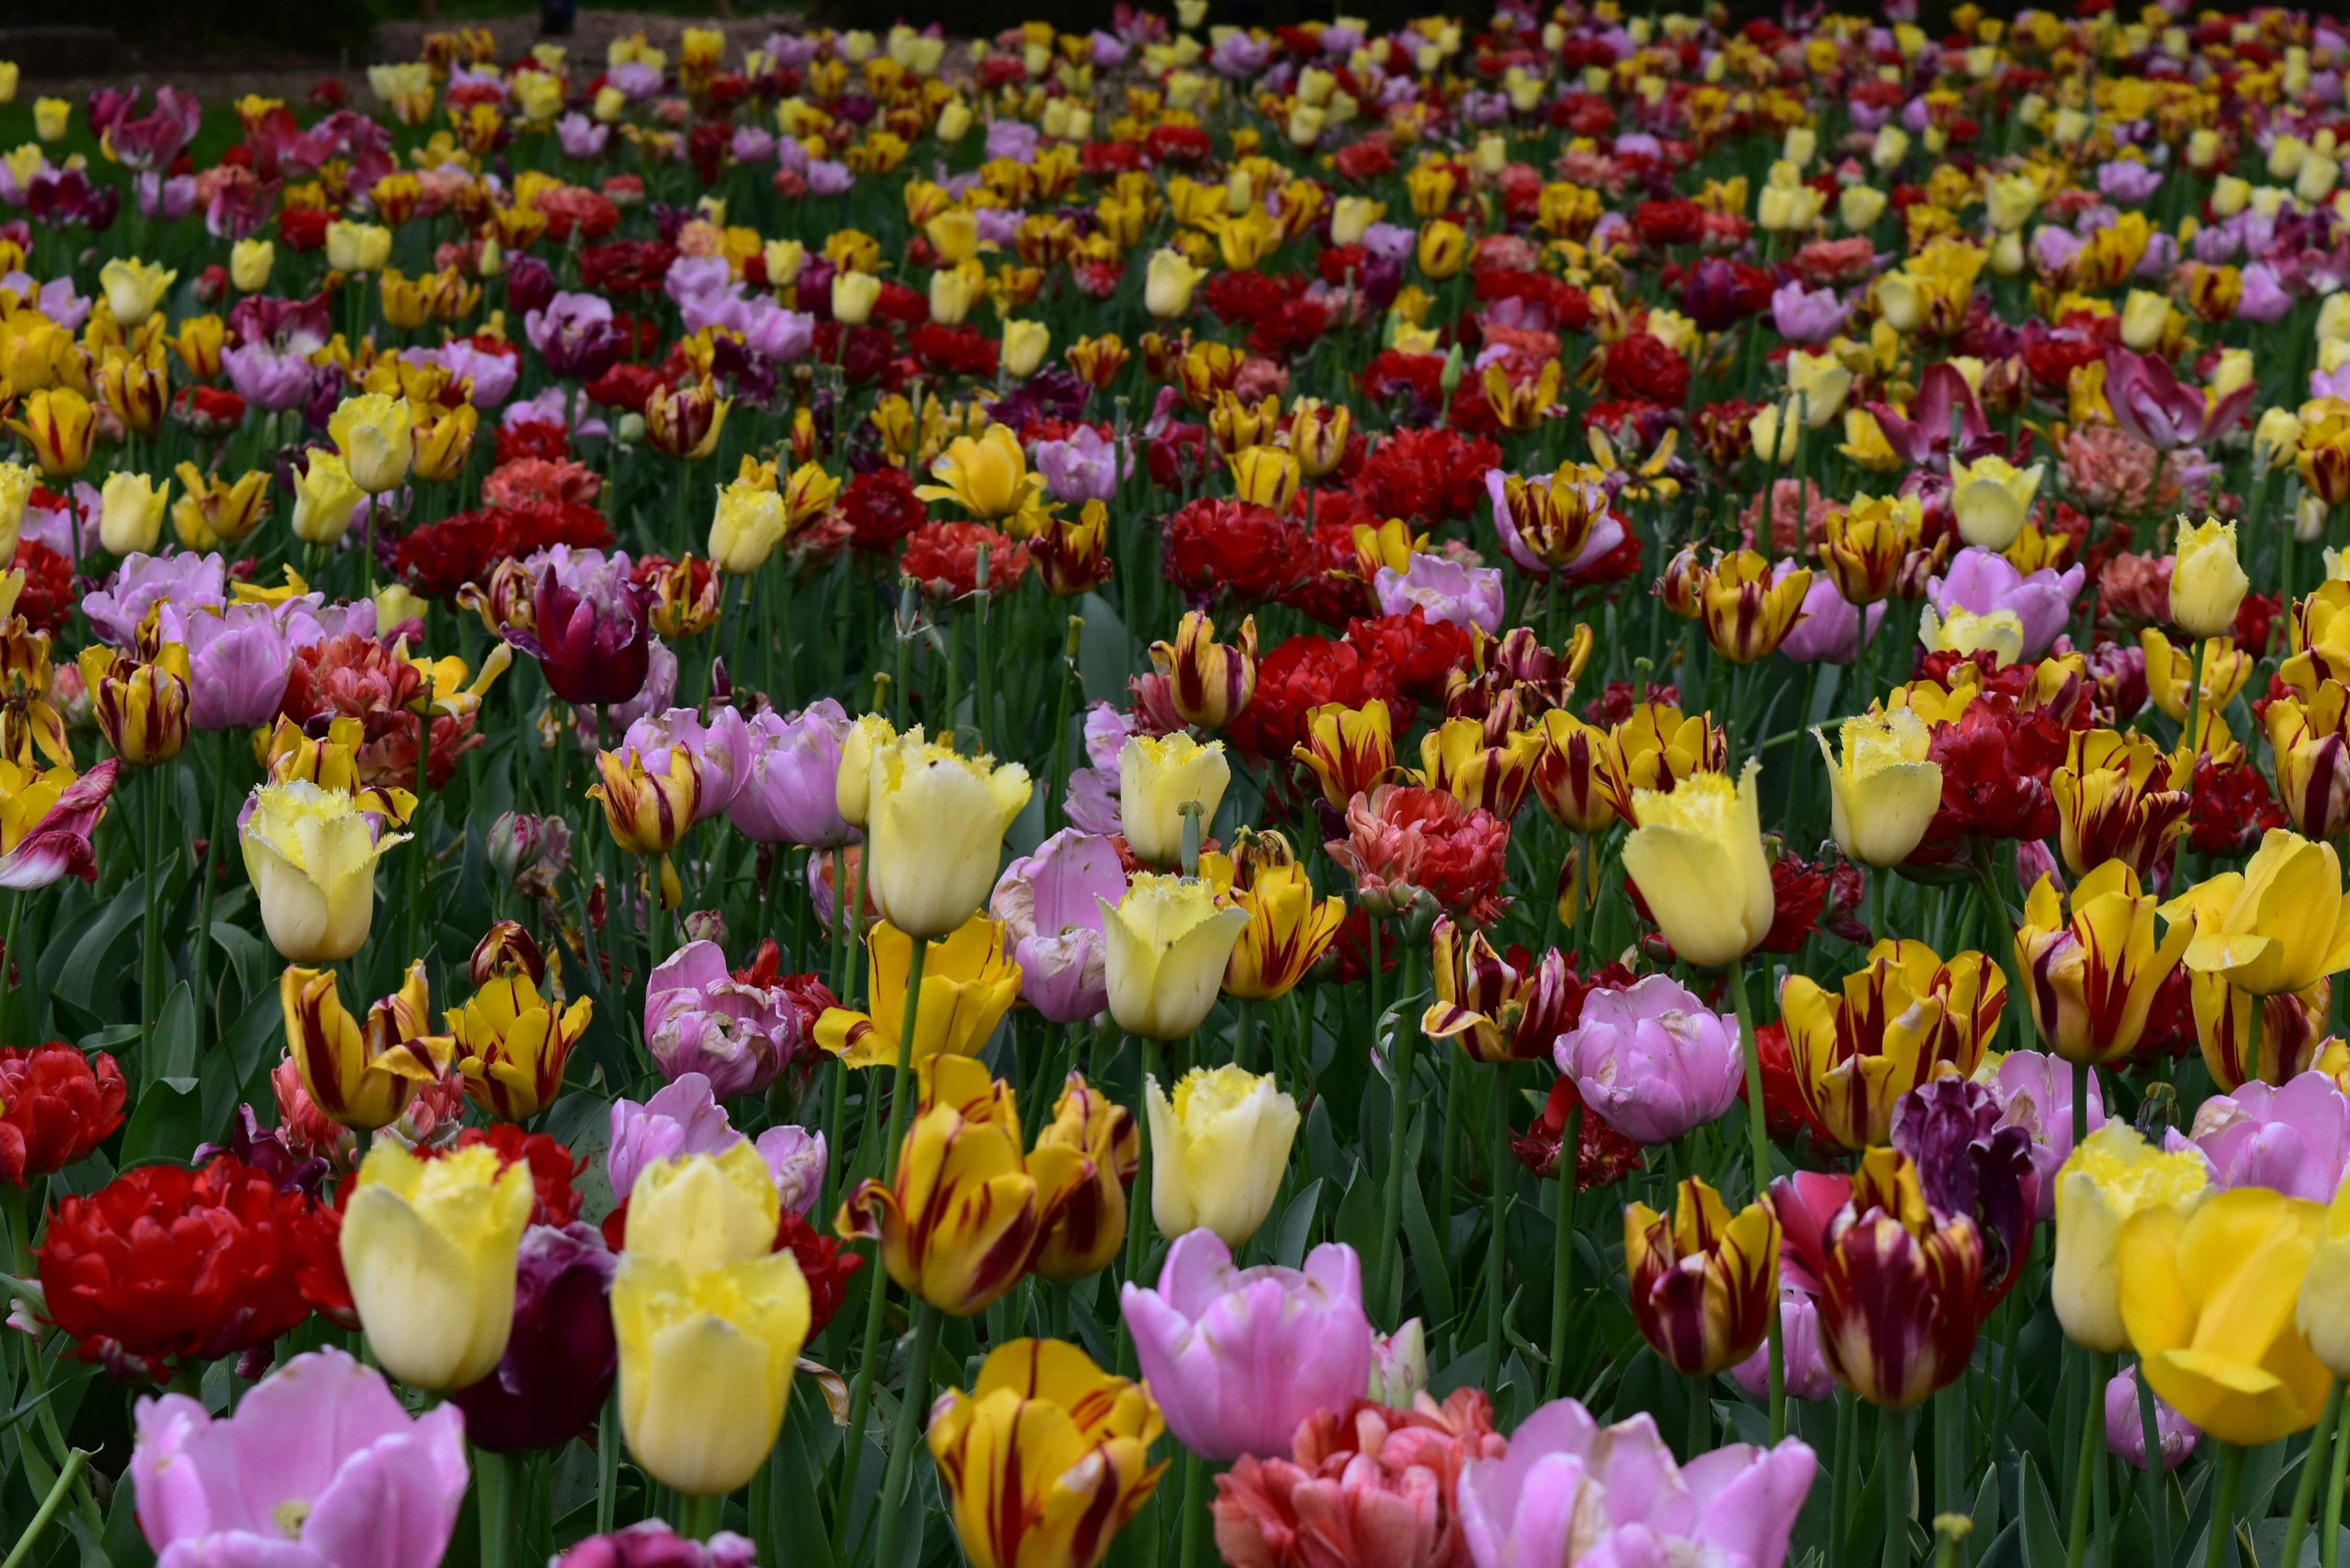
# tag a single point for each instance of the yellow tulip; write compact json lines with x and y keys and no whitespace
{"x":325,"y":500}
{"x":443,"y":442}
{"x":2323,"y":1314}
{"x":2210,"y":1301}
{"x":1697,"y":858}
{"x":311,"y":853}
{"x":968,"y":985}
{"x":1816,"y":384}
{"x":1158,"y":776}
{"x":935,"y":834}
{"x":131,"y":513}
{"x":2207,"y":584}
{"x":60,"y":425}
{"x":133,"y":288}
{"x":362,"y":1076}
{"x":1884,"y":794}
{"x":706,"y":1364}
{"x":988,"y":478}
{"x":953,"y":290}
{"x":249,"y":264}
{"x":853,"y":785}
{"x":1165,"y":946}
{"x":2092,"y":977}
{"x":1218,"y":1151}
{"x":2280,"y":924}
{"x":1025,"y":344}
{"x":703,"y":1210}
{"x":1287,"y":931}
{"x":429,"y":1248}
{"x":375,"y":435}
{"x":1046,"y":1458}
{"x":212,"y":511}
{"x":2113,"y":1175}
{"x":1992,"y":499}
{"x":647,"y":812}
{"x":1168,"y":282}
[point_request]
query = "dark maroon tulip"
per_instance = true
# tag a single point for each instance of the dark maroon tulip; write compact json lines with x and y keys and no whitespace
{"x":530,"y":285}
{"x":1967,"y":1164}
{"x":559,"y":1362}
{"x":595,"y":648}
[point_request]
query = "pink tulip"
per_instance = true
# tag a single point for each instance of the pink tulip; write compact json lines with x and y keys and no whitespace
{"x":319,"y":1468}
{"x":2126,"y":1425}
{"x":700,"y":1019}
{"x":721,"y":751}
{"x":683,"y":1117}
{"x":1651,"y":1061}
{"x":1238,"y":1357}
{"x":788,"y":793}
{"x":2036,"y":1092}
{"x":653,"y":1544}
{"x":1983,"y":581}
{"x":1049,"y":904}
{"x":59,"y":843}
{"x":1808,"y":1372}
{"x":2151,"y":403}
{"x":2294,"y":1140}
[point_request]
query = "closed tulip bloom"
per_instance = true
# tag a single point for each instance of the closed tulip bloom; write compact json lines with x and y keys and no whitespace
{"x":1046,"y":1458}
{"x":1651,"y":1061}
{"x":685,"y":421}
{"x":2091,"y":978}
{"x":1862,"y":545}
{"x":988,"y":477}
{"x":2210,"y":1303}
{"x":854,"y":295}
{"x":936,"y":833}
{"x":647,"y":812}
{"x":325,"y":498}
{"x":967,"y":1216}
{"x":2310,"y":741}
{"x":375,"y":435}
{"x":311,"y":853}
{"x":1158,"y":776}
{"x":249,"y":264}
{"x":1704,"y":1281}
{"x":703,"y":1211}
{"x":429,"y":1246}
{"x":1748,"y":610}
{"x":141,"y":706}
{"x":1287,"y":932}
{"x":1168,"y":283}
{"x":1165,"y":945}
{"x":2113,"y":1175}
{"x":2280,"y":924}
{"x":512,"y":1043}
{"x":1207,"y":1335}
{"x":746,"y":528}
{"x":1900,"y":1282}
{"x":131,"y":513}
{"x":1568,"y":775}
{"x":853,"y":786}
{"x":362,"y":1076}
{"x":1905,"y":1019}
{"x":1350,"y":750}
{"x":1209,"y":682}
{"x":2322,"y":1311}
{"x":968,"y":985}
{"x":1218,"y":1151}
{"x":1088,"y":1228}
{"x":706,"y":1364}
{"x":2207,"y":584}
{"x":2119,"y":797}
{"x":1025,"y":344}
{"x":1049,"y":903}
{"x":2293,"y":1031}
{"x":561,"y":1353}
{"x":60,"y":426}
{"x":1885,"y":790}
{"x":133,"y":288}
{"x":1697,"y":858}
{"x":1455,"y":758}
{"x":1497,"y":1010}
{"x":1991,"y":499}
{"x":2171,"y":674}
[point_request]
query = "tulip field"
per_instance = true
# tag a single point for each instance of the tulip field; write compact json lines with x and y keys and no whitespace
{"x":1542,"y":789}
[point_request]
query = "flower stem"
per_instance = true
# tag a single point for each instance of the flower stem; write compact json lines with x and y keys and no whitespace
{"x":1497,"y":1250}
{"x":1407,"y":1035}
{"x":1137,"y":1201}
{"x":1196,"y":1489}
{"x":1893,"y":1425}
{"x":2305,"y":1496}
{"x":697,"y":1517}
{"x":2329,"y":1543}
{"x":48,"y":1509}
{"x":1758,"y":1129}
{"x":2195,"y":701}
{"x":911,"y":1407}
{"x":1563,"y":1254}
{"x":2158,"y":1489}
{"x":2093,"y":1442}
{"x":494,"y":1479}
{"x":607,"y":1463}
{"x":2222,"y":1550}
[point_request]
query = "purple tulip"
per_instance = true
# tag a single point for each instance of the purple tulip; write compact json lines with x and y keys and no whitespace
{"x":2126,"y":1423}
{"x":576,"y":335}
{"x":1651,"y":1061}
{"x":795,"y":1159}
{"x":1238,"y":1357}
{"x":1713,"y":296}
{"x":1829,"y":629}
{"x":530,"y":284}
{"x":700,"y":1019}
{"x":319,"y":1468}
{"x":1445,"y":589}
{"x":770,"y":331}
{"x":265,"y":378}
{"x":592,"y":637}
{"x":788,"y":794}
{"x":1807,"y":315}
{"x":237,"y":661}
{"x":561,"y":1354}
{"x":581,"y":137}
{"x":653,"y":1544}
{"x":1049,"y":905}
{"x":1616,"y":1496}
{"x":2036,"y":1092}
{"x":1808,"y":1372}
{"x":1012,"y":138}
{"x":1081,"y":469}
{"x":681,"y":1117}
{"x":190,"y":582}
{"x":492,"y":376}
{"x":721,"y":751}
{"x":2294,"y":1140}
{"x":2264,"y":298}
{"x":2124,"y":180}
{"x":1969,"y":1163}
{"x":1982,"y":581}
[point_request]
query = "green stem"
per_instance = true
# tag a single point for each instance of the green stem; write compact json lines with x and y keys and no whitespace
{"x":2092,"y":1443}
{"x":1138,"y":1202}
{"x":1894,"y":1428}
{"x":48,"y":1510}
{"x":1950,"y":1448}
{"x":2221,"y":1548}
{"x":11,"y":1032}
{"x":1842,"y":1476}
{"x":150,"y":954}
{"x":2329,"y":1543}
{"x":1563,"y":1254}
{"x":1407,"y":1037}
{"x":1196,"y":1489}
{"x":607,"y":1463}
{"x":1244,"y":1035}
{"x":2305,"y":1496}
{"x":215,"y":832}
{"x":912,"y":1406}
{"x":1497,"y":1249}
{"x":2158,"y":1487}
{"x":2195,"y":697}
{"x":698,"y":1517}
{"x":1758,"y":1129}
{"x":1701,"y":1421}
{"x":493,"y":1480}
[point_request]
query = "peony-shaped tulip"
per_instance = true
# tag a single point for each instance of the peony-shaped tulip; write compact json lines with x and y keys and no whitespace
{"x":788,"y":792}
{"x":1050,"y":906}
{"x":700,"y":1019}
{"x":1651,"y":1061}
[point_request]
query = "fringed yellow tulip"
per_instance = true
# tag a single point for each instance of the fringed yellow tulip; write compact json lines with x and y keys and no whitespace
{"x":1697,"y":858}
{"x":703,"y":1210}
{"x":1884,"y":793}
{"x":1218,"y":1150}
{"x":2109,"y":1178}
{"x":429,"y":1246}
{"x":706,"y":1364}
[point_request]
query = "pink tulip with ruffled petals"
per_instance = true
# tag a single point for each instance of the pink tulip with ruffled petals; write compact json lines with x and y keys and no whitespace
{"x":2294,"y":1140}
{"x":1652,"y":1060}
{"x":1238,"y":1357}
{"x":700,"y":1019}
{"x":788,"y":793}
{"x":795,"y":1159}
{"x":320,"y":1466}
{"x":1050,"y":904}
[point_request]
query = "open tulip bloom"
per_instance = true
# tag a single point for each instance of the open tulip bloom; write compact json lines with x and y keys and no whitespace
{"x":1502,"y":790}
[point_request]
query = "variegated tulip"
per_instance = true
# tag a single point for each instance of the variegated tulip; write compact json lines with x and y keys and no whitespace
{"x":1747,"y":613}
{"x":1907,"y":1019}
{"x":2091,"y":974}
{"x":1703,"y":1282}
{"x":1288,"y":931}
{"x":512,"y":1043}
{"x":1568,"y":774}
{"x":2170,"y":672}
{"x":1209,"y":682}
{"x":1862,"y":545}
{"x":1455,"y":758}
{"x":1900,"y":1287}
{"x":1350,"y":750}
{"x":2292,"y":1035}
{"x":2119,"y":797}
{"x":1655,"y":749}
{"x":1496,"y":1011}
{"x":362,"y":1074}
{"x":1545,"y":522}
{"x":2310,"y":740}
{"x":141,"y":706}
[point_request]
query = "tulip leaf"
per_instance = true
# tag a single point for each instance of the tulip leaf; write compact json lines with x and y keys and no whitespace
{"x":794,"y":1465}
{"x":78,"y":979}
{"x":173,"y":1053}
{"x":1297,"y":1226}
{"x":248,"y":1039}
{"x":1428,"y":1257}
{"x":166,"y":1125}
{"x":2043,"y":1538}
{"x":1359,"y":1214}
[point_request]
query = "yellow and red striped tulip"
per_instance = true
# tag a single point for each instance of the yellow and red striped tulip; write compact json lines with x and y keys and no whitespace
{"x":2090,"y":974}
{"x":1704,"y":1281}
{"x":512,"y":1045}
{"x":362,"y":1075}
{"x":1905,"y":1019}
{"x":1350,"y":750}
{"x":1209,"y":682}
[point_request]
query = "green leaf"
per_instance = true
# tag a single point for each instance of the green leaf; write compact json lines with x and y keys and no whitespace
{"x":1297,"y":1226}
{"x":1427,"y":1258}
{"x":2043,"y":1539}
{"x":78,"y":979}
{"x":167,"y":1125}
{"x":249,"y":1039}
{"x":173,"y":1054}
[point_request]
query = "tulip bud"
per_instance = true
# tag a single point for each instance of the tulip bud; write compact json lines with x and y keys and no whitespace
{"x":2207,"y":584}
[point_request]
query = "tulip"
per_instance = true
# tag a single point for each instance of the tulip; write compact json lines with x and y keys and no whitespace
{"x":1165,"y":945}
{"x":967,"y":987}
{"x":1168,"y":283}
{"x":1905,"y":1019}
{"x":1747,"y":608}
{"x":140,"y":708}
{"x":2322,"y":1311}
{"x":1697,"y":858}
{"x":249,"y":264}
{"x":988,"y":477}
{"x":1704,"y":1283}
{"x":1218,"y":1151}
{"x":1651,"y":1061}
{"x":319,"y":1463}
{"x":706,"y":1364}
{"x":2110,"y":1176}
{"x":361,"y":1077}
{"x":2118,"y":797}
{"x":311,"y":853}
{"x":702,"y":1211}
{"x":1050,"y":905}
{"x":1546,"y":523}
{"x":1983,"y":583}
{"x":2280,"y":924}
{"x":46,"y":818}
{"x":936,"y":835}
{"x":647,"y":812}
{"x":2310,"y":741}
{"x":1803,"y":1371}
{"x":2209,"y":1301}
{"x":1992,"y":500}
{"x":1350,"y":750}
{"x":1209,"y":1333}
{"x":685,"y":421}
{"x":1287,"y":932}
{"x":429,"y":1248}
{"x":136,"y":388}
{"x":1025,"y":344}
{"x":134,"y":288}
{"x":59,"y":425}
{"x":1885,"y":792}
{"x":2293,"y":1138}
{"x":1209,"y":682}
{"x":2170,"y":675}
{"x":375,"y":436}
{"x":748,"y":525}
{"x":1497,"y":1010}
{"x":212,"y":511}
{"x":325,"y":500}
{"x":1158,"y":776}
{"x":2290,"y":1036}
{"x":1863,"y":547}
{"x":680,"y":1118}
{"x":2091,"y":979}
{"x":131,"y":513}
{"x":1456,"y":759}
{"x":512,"y":1045}
{"x":1046,"y":1458}
{"x":2206,"y":584}
{"x":561,"y":1353}
{"x":1899,"y":1285}
{"x":2126,"y":1425}
{"x":1568,"y":775}
{"x":1570,"y":1491}
{"x":965,"y":1216}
